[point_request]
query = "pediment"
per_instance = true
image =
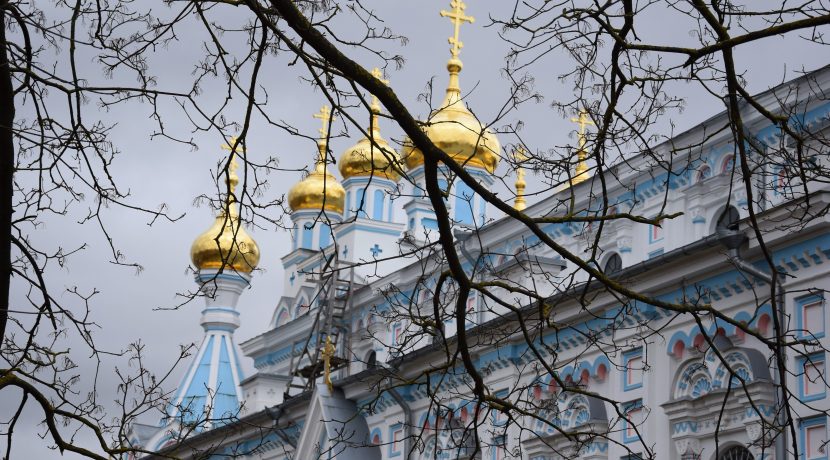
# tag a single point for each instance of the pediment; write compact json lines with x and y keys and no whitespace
{"x":334,"y":428}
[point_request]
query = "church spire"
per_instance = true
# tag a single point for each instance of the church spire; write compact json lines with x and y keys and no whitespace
{"x":581,"y":170}
{"x":454,"y":65}
{"x":520,"y":203}
{"x":224,"y":256}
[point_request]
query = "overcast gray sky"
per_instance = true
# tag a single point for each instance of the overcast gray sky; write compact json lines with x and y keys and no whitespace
{"x":160,"y":171}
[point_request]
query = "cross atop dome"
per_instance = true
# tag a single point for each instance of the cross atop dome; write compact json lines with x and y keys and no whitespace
{"x":324,"y":115}
{"x":519,"y":156}
{"x":583,"y":121}
{"x":378,"y":74}
{"x":581,"y":170}
{"x":235,"y":147}
{"x":457,"y":17}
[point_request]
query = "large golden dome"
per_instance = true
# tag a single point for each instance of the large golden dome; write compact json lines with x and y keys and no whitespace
{"x":319,"y":190}
{"x":456,"y":131}
{"x":226,"y":243}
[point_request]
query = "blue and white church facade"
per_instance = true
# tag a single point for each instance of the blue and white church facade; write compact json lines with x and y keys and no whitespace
{"x":650,"y":378}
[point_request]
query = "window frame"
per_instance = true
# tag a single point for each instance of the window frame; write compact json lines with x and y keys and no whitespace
{"x":496,"y":415}
{"x":393,"y":442}
{"x":629,"y":407}
{"x":656,"y":232}
{"x":801,"y":304}
{"x":803,"y":361}
{"x":627,"y":357}
{"x":804,"y":426}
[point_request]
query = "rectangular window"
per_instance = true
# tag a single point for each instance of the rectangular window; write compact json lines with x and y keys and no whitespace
{"x":361,"y":204}
{"x":499,"y":419}
{"x":633,"y":421}
{"x":814,"y":438}
{"x":810,"y":317}
{"x":396,"y":440}
{"x":472,"y":304}
{"x":325,"y":236}
{"x":499,"y":448}
{"x":308,"y":236}
{"x":655,"y":233}
{"x":633,"y":364}
{"x":397,"y":331}
{"x":811,"y":382}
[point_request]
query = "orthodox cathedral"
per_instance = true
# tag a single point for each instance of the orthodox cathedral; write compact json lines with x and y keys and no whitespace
{"x":350,"y":368}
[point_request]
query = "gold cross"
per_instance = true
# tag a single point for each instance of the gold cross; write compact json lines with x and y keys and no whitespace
{"x":231,"y":144}
{"x":520,"y":203}
{"x":583,"y":121}
{"x":457,"y":17}
{"x":235,"y":147}
{"x":519,"y":157}
{"x":325,"y":116}
{"x":328,"y":353}
{"x":378,"y":74}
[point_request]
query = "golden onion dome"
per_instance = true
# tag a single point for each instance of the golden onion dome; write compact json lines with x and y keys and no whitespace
{"x":226,"y":244}
{"x":319,"y":190}
{"x":367,"y":158}
{"x":456,"y":131}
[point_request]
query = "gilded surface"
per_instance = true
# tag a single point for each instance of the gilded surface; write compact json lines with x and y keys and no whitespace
{"x":520,"y":203}
{"x":226,"y":243}
{"x":452,"y":127}
{"x":581,"y":170}
{"x":366,"y":159}
{"x":320,"y":189}
{"x":376,"y":159}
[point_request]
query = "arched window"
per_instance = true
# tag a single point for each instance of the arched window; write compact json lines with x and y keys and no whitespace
{"x":728,"y":164}
{"x":377,"y":210}
{"x":371,"y":360}
{"x":728,"y":219}
{"x":464,"y":203}
{"x":282,"y":317}
{"x":736,"y":453}
{"x":781,"y":181}
{"x":360,"y":205}
{"x":613,"y":264}
{"x":308,"y":236}
{"x":301,"y":308}
{"x":703,"y":173}
{"x":325,"y":236}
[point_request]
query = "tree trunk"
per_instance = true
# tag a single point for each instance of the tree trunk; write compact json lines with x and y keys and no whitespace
{"x":6,"y":175}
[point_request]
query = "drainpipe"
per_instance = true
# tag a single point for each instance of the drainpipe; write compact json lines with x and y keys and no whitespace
{"x":407,"y":414}
{"x":732,"y":240}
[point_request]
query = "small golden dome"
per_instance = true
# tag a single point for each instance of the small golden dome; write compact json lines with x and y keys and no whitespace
{"x":456,"y":131}
{"x":319,"y":190}
{"x":365,"y":158}
{"x":226,"y":243}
